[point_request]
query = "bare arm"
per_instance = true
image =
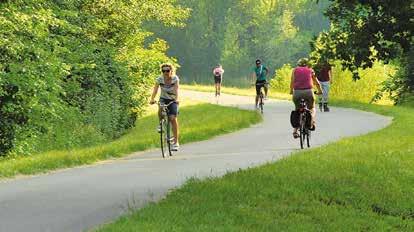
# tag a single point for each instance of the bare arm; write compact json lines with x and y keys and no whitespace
{"x":176,"y":88}
{"x":316,"y":82}
{"x":292,"y":79}
{"x":154,"y":93}
{"x":253,"y":76}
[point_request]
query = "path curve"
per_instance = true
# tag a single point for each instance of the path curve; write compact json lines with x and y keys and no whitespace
{"x":81,"y":198}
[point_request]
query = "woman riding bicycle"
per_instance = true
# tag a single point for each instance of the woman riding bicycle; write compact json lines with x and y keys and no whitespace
{"x":301,"y":85}
{"x":169,"y":84}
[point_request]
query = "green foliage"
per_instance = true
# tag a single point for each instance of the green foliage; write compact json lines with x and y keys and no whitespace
{"x":235,"y":33}
{"x":363,"y":32}
{"x":71,"y":72}
{"x":343,"y":86}
{"x":400,"y":87}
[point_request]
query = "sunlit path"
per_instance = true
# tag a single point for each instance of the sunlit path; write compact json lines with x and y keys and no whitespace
{"x":81,"y":198}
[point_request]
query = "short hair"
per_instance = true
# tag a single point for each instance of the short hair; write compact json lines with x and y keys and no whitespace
{"x":303,"y":62}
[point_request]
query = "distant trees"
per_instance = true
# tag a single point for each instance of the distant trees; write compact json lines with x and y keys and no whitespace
{"x":235,"y":33}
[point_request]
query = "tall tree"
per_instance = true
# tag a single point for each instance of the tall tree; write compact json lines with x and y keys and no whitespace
{"x":363,"y":32}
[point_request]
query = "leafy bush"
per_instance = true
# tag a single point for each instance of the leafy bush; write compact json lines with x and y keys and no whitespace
{"x":72,"y":73}
{"x":343,"y":85}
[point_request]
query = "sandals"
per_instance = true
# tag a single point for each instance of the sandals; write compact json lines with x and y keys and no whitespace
{"x":295,"y":135}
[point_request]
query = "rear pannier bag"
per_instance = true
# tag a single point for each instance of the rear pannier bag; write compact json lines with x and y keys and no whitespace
{"x":294,"y":119}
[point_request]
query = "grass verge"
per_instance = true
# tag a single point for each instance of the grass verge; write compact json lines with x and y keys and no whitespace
{"x":220,"y":120}
{"x":235,"y":91}
{"x":365,"y":183}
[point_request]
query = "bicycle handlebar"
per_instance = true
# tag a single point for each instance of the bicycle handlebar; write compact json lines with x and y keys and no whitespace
{"x":260,"y":84}
{"x":166,"y":105}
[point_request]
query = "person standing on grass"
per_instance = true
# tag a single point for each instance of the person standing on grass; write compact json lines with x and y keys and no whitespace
{"x":301,"y":86}
{"x":218,"y":78}
{"x":169,"y":84}
{"x":324,"y":76}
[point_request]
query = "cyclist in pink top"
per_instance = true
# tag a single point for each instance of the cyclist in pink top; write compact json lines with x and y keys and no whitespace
{"x":303,"y":79}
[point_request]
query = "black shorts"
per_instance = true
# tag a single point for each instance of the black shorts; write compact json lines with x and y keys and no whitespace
{"x":172,"y":108}
{"x":259,"y":85}
{"x":217,"y":79}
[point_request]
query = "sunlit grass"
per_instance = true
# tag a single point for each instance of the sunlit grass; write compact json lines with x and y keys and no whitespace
{"x":236,"y":91}
{"x":364,"y":183}
{"x":220,"y":120}
{"x":272,"y":93}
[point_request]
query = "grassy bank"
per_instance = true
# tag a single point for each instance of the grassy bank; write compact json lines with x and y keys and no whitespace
{"x":236,"y":91}
{"x":363,"y":183}
{"x":220,"y":120}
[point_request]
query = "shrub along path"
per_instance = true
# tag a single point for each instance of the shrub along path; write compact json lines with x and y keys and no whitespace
{"x":81,"y":198}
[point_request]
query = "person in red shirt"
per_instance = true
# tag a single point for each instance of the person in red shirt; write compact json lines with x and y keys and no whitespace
{"x":324,"y":75}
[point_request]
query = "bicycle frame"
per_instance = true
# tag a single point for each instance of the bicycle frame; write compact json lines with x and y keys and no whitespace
{"x":304,"y":131}
{"x":165,"y":133}
{"x":261,"y":95}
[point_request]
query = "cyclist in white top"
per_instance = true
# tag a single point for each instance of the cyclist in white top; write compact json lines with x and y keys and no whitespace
{"x":169,"y":84}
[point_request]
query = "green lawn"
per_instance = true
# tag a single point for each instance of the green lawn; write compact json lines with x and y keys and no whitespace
{"x":364,"y":183}
{"x":195,"y":125}
{"x":236,"y":91}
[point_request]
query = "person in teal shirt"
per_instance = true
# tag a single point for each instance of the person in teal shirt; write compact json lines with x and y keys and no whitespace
{"x":260,"y":73}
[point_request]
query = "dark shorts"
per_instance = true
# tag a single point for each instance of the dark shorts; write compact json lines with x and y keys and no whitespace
{"x":217,"y":79}
{"x":172,"y":108}
{"x":259,"y":85}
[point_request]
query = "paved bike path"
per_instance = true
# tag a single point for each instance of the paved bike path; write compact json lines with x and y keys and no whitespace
{"x":81,"y":198}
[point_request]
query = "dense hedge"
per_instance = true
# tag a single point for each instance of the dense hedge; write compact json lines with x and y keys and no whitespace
{"x":68,"y":76}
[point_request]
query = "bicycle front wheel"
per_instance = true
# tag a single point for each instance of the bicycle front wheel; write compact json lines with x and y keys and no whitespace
{"x":164,"y":146}
{"x":168,"y":137}
{"x":261,"y":103}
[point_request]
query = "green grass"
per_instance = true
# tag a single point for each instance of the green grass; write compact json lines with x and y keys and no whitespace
{"x":236,"y":91}
{"x":219,"y":120}
{"x":364,"y":183}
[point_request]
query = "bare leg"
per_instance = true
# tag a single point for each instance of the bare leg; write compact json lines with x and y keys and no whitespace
{"x":174,"y":123}
{"x":256,"y":100}
{"x":219,"y":88}
{"x":313,"y":113}
{"x":159,"y":113}
{"x":266,"y":89}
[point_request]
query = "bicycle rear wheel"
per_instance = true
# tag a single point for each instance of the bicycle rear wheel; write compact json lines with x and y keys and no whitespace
{"x":302,"y":130}
{"x":308,"y":134}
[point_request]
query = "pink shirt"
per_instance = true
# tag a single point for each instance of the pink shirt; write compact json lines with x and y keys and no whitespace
{"x":302,"y":78}
{"x":218,"y":71}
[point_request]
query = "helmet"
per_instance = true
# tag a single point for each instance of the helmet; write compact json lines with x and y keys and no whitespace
{"x":258,"y":61}
{"x":303,"y":62}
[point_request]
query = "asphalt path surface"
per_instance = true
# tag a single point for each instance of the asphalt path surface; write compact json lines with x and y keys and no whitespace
{"x":82,"y":198}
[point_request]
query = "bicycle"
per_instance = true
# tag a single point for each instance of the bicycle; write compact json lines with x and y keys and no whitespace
{"x":165,"y":131}
{"x":261,"y":96}
{"x":305,"y":121}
